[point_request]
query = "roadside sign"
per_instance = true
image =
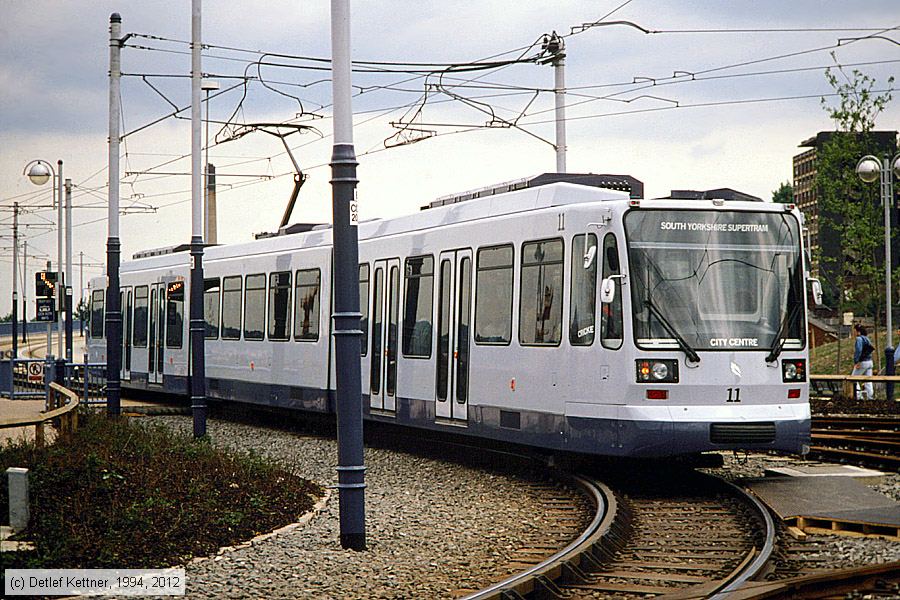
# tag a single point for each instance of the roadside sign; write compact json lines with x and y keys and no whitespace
{"x":46,"y":310}
{"x":45,"y":284}
{"x":35,"y":372}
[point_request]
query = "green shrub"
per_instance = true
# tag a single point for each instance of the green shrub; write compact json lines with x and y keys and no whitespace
{"x":124,"y":494}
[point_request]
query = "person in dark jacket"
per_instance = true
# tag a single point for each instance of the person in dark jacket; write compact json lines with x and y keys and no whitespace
{"x":862,"y":362}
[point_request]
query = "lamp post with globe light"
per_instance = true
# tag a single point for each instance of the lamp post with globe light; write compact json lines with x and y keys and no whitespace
{"x":40,"y":172}
{"x":871,"y":168}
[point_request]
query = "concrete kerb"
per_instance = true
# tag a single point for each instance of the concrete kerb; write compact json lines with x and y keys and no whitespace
{"x":306,"y":518}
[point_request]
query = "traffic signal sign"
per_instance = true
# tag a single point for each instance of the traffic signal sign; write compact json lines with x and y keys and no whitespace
{"x":45,"y":284}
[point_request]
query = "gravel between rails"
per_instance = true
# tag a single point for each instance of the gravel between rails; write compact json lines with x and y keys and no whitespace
{"x":432,"y":527}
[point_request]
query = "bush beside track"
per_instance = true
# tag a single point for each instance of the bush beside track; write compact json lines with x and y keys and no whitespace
{"x":124,"y":494}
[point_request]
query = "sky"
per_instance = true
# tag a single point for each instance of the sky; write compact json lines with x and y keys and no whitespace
{"x":716,"y":97}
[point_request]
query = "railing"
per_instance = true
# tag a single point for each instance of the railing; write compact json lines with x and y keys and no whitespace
{"x":61,"y":404}
{"x":89,"y":379}
{"x":844,"y":386}
{"x":23,"y":379}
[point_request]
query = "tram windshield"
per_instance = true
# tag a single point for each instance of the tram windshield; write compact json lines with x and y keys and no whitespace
{"x":721,"y":280}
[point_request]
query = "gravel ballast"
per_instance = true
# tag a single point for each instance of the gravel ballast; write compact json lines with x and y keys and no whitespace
{"x":433,"y":527}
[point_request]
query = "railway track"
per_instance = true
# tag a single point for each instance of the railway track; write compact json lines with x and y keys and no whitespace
{"x":689,"y":536}
{"x":662,"y":530}
{"x":869,"y":441}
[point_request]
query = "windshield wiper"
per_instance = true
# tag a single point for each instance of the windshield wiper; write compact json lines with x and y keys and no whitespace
{"x":685,"y":347}
{"x":781,"y":335}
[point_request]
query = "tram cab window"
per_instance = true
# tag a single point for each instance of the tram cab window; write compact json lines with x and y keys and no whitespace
{"x":583,"y":292}
{"x":97,"y":301}
{"x":306,"y":306}
{"x":231,"y":308}
{"x":541,"y":293}
{"x":280,"y":306}
{"x":493,"y":295}
{"x":611,"y":314}
{"x":211,"y":292}
{"x":418,"y":297}
{"x":174,"y":314}
{"x":364,"y":308}
{"x":139,"y":333}
{"x":254,"y":306}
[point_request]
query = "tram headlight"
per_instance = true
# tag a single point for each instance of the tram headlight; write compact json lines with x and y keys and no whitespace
{"x":793,"y":370}
{"x":656,"y":371}
{"x":659,"y":371}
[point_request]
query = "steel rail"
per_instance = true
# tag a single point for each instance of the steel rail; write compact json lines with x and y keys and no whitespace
{"x":742,"y":575}
{"x":544,"y":573}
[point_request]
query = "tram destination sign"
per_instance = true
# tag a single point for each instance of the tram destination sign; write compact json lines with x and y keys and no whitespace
{"x":45,"y":284}
{"x":46,"y":310}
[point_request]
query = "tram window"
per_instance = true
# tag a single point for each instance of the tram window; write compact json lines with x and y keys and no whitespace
{"x":280,"y":306}
{"x":493,"y":295}
{"x":231,"y":308}
{"x":541,"y":293}
{"x":139,"y":333}
{"x":364,"y":308}
{"x":211,"y":292}
{"x":418,"y":298}
{"x":611,"y":314}
{"x":254,"y":306}
{"x":306,"y":306}
{"x":174,"y":314}
{"x":97,"y":301}
{"x":583,"y":292}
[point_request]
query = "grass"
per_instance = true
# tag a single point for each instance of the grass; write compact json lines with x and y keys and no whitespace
{"x":128,"y":495}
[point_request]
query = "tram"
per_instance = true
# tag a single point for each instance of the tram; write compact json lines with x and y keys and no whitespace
{"x":562,"y":311}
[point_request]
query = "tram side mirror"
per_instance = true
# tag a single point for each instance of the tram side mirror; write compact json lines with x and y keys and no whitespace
{"x":815,"y":287}
{"x":589,"y":257}
{"x":607,"y":290}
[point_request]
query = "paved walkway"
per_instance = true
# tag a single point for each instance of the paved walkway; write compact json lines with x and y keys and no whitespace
{"x":12,"y":409}
{"x":35,"y":347}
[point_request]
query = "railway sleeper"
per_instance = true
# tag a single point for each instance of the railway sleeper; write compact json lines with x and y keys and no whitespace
{"x":546,"y":589}
{"x":572,"y":574}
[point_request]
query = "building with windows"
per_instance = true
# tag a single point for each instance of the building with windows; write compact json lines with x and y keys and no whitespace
{"x":806,"y":195}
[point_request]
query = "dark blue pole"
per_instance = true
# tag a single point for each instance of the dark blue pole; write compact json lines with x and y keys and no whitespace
{"x":67,"y":298}
{"x":197,"y":328}
{"x":113,"y":247}
{"x":15,"y":322}
{"x":889,"y":368}
{"x":351,"y":468}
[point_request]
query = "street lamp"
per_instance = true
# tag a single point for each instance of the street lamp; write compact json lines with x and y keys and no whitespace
{"x":869,"y":168}
{"x":39,"y":172}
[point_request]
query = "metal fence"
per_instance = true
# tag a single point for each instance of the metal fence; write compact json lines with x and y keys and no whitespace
{"x":24,"y":379}
{"x":89,"y":380}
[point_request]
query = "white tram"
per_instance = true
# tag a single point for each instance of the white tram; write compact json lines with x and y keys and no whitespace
{"x":563,"y":315}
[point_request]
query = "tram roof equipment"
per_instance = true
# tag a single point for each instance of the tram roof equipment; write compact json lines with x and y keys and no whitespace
{"x":622,"y":183}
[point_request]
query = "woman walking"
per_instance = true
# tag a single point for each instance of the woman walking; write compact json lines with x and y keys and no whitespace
{"x":862,"y":362}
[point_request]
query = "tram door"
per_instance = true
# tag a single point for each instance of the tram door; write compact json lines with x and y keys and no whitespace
{"x":385,"y":335}
{"x":125,"y":305}
{"x":156,"y":335}
{"x":453,"y":320}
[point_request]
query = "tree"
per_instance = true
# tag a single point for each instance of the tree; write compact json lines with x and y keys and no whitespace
{"x":784,"y":194}
{"x":850,"y":214}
